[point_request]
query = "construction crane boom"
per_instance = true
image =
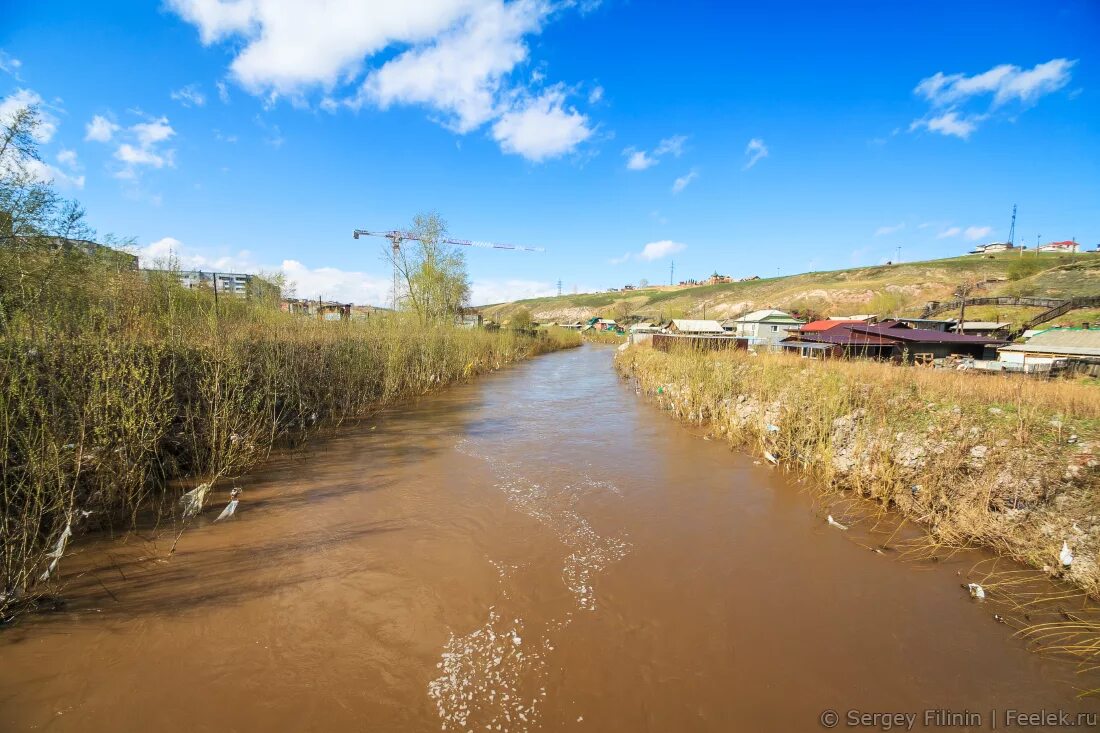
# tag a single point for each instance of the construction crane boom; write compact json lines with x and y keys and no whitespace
{"x":396,"y":237}
{"x":401,"y":236}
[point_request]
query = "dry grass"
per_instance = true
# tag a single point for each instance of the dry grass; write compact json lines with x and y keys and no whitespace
{"x":115,"y":386}
{"x":978,"y":460}
{"x":602,"y":337}
{"x":975,"y":461}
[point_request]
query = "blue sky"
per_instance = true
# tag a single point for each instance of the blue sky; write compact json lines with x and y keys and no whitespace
{"x":743,"y":138}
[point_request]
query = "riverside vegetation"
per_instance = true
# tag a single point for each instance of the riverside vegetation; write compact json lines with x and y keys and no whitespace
{"x":989,"y":461}
{"x":120,"y":390}
{"x":979,"y":460}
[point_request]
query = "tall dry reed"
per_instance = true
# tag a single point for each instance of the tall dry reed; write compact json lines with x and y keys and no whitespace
{"x":119,"y":390}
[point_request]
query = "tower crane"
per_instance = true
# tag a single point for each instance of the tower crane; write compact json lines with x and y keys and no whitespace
{"x":396,"y":237}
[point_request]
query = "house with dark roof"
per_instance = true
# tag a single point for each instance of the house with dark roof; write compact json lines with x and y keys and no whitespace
{"x":895,"y":341}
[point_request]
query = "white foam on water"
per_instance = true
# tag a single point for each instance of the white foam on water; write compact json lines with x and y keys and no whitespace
{"x":479,"y":687}
{"x":480,"y":676}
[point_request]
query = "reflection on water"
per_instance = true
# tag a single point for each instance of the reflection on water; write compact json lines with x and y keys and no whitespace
{"x":540,"y":549}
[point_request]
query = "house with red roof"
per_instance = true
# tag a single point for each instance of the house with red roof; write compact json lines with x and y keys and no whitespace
{"x":1066,"y":246}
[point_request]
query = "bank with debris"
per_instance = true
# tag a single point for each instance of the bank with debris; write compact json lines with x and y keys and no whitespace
{"x":977,"y":460}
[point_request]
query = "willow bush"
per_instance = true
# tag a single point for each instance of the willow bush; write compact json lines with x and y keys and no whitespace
{"x":119,"y":390}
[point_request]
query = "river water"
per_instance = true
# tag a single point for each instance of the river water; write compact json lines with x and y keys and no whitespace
{"x":541,"y":549}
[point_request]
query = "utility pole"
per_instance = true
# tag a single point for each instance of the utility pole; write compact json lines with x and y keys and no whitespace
{"x":559,"y":287}
{"x":1012,"y":229}
{"x":672,"y":273}
{"x":898,"y":260}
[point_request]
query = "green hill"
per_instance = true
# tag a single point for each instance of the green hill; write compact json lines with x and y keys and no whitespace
{"x":886,"y":289}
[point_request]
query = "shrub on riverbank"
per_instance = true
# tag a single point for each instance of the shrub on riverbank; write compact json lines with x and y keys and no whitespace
{"x":116,"y":384}
{"x":992,"y":460}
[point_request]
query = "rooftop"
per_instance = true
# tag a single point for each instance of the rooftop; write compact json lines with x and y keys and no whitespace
{"x":697,"y":326}
{"x":1068,"y":341}
{"x":768,"y":314}
{"x":814,"y":326}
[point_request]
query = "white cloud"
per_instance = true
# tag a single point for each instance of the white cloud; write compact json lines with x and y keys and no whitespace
{"x":152,"y":132}
{"x":67,"y":157}
{"x":310,"y":282}
{"x":975,"y":233}
{"x":21,"y":98}
{"x":140,"y":145}
{"x":650,"y":252}
{"x":639,"y":160}
{"x":756,"y":150}
{"x":949,"y":232}
{"x":455,"y":57}
{"x":671,"y":146}
{"x":332,"y":283}
{"x":596,"y":95}
{"x":132,"y":155}
{"x":10,"y":65}
{"x":949,"y":94}
{"x":289,"y":45}
{"x":1005,"y":83}
{"x":657,"y":250}
{"x":460,"y":73}
{"x":100,"y":129}
{"x":541,"y":128}
{"x":893,"y":229}
{"x":682,"y":182}
{"x":65,"y":175}
{"x":189,"y":96}
{"x":223,"y":91}
{"x":484,"y":292}
{"x":949,"y":123}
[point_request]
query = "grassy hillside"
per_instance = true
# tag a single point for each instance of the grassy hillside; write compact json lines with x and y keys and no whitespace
{"x":902,"y":288}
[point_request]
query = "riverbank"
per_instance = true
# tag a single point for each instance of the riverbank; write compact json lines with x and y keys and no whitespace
{"x":987,"y":461}
{"x":120,"y":390}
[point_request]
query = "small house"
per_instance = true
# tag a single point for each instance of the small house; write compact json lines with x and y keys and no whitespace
{"x":765,"y":328}
{"x":1079,"y":345}
{"x":986,"y":328}
{"x":1066,"y":247}
{"x":861,"y":317}
{"x":929,"y":324}
{"x":687,"y":327}
{"x":983,"y":249}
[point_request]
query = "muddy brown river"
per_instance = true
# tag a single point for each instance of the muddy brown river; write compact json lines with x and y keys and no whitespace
{"x":541,"y":549}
